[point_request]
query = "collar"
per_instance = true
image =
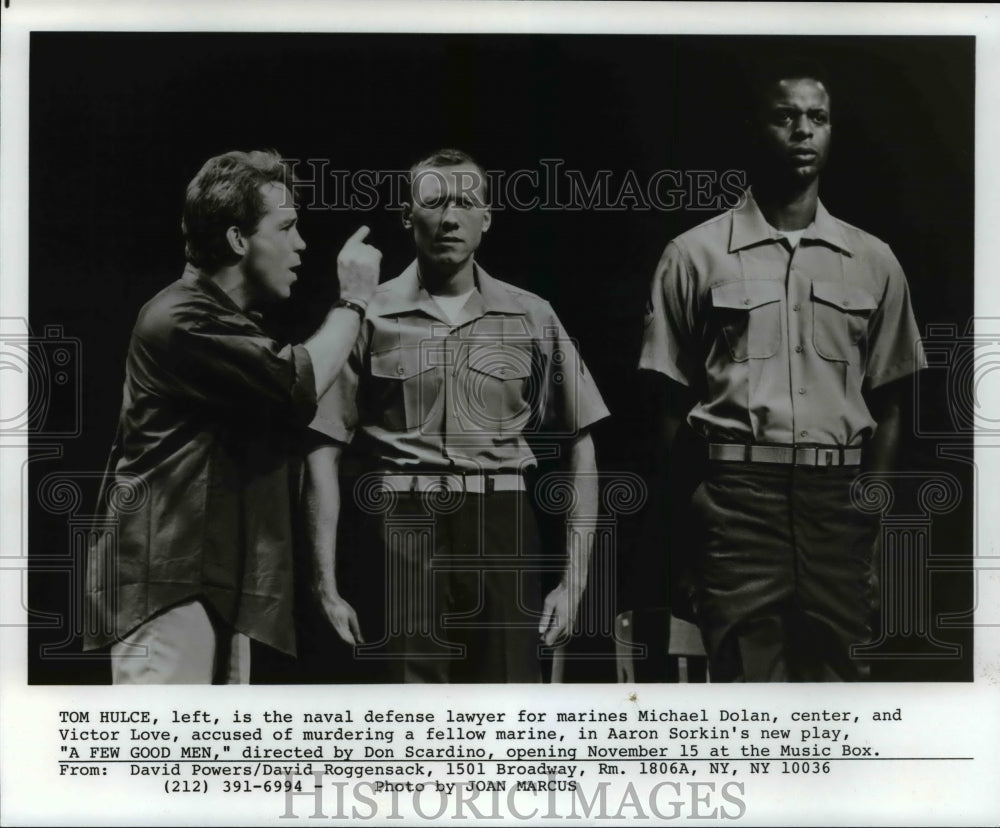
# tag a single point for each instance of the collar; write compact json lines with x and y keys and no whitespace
{"x":407,"y":294}
{"x":196,"y":277}
{"x":749,"y":227}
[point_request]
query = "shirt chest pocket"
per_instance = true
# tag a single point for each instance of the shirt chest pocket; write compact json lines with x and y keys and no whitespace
{"x":497,"y":388}
{"x":405,"y":386}
{"x":840,"y":319}
{"x":749,"y":314}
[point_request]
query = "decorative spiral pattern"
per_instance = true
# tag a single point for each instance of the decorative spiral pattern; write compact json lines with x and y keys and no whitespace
{"x":128,"y":494}
{"x":968,"y":368}
{"x":59,"y":495}
{"x":20,"y":358}
{"x":872,"y":493}
{"x":445,"y":496}
{"x":940,"y":495}
{"x":372,"y":496}
{"x":624,"y":494}
{"x":556,"y":494}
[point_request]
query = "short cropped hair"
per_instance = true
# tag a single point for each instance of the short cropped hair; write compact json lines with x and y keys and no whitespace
{"x":225,"y":193}
{"x":765,"y":75}
{"x":449,"y":158}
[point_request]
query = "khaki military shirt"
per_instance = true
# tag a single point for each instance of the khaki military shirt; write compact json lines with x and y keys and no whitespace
{"x":777,"y":343}
{"x":427,"y":393}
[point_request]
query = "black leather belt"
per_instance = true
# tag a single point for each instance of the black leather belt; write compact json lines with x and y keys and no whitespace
{"x":785,"y":455}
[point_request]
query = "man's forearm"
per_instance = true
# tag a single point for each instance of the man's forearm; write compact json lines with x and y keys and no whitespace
{"x":582,"y":516}
{"x":322,"y":513}
{"x":883,"y":450}
{"x":676,"y":405}
{"x":322,"y":503}
{"x":331,"y":345}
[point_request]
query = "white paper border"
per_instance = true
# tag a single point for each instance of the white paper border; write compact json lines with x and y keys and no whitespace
{"x":958,"y":718}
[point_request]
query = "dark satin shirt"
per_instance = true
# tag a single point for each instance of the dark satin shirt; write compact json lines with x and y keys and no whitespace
{"x":197,"y":500}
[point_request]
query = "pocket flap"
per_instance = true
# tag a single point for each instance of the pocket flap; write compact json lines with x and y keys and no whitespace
{"x":844,"y":297}
{"x":400,"y":363}
{"x":747,"y":294}
{"x":503,"y":362}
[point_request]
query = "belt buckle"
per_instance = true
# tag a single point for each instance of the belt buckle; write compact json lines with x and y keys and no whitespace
{"x":817,"y":456}
{"x":489,"y":484}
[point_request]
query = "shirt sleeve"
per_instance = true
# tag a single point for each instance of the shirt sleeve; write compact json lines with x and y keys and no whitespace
{"x":668,"y":341}
{"x":222,"y":366}
{"x":572,"y":401}
{"x":337,"y":409}
{"x":894,"y":346}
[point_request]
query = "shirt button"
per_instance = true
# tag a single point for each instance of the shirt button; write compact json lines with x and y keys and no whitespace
{"x":796,"y":306}
{"x":798,"y":349}
{"x":802,"y":390}
{"x":803,"y":433}
{"x":746,"y":301}
{"x":400,"y":370}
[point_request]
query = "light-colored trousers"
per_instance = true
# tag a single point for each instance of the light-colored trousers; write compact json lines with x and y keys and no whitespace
{"x":182,"y":645}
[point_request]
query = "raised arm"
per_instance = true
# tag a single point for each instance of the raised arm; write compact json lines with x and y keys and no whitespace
{"x":358,"y":269}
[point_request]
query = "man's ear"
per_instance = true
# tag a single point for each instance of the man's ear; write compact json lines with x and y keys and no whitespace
{"x":487,"y":219}
{"x":407,"y":215}
{"x":237,"y":241}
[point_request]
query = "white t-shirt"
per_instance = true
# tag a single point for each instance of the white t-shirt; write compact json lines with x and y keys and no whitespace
{"x":793,"y":236}
{"x":451,"y":305}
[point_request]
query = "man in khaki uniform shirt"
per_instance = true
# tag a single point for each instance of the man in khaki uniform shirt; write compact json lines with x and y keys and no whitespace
{"x":785,"y":329}
{"x":452,"y":371}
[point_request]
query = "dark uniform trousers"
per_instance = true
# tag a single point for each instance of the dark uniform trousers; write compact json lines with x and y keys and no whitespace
{"x":785,"y":584}
{"x":462,"y":587}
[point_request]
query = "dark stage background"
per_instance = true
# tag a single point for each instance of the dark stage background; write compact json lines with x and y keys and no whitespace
{"x":121,"y":122}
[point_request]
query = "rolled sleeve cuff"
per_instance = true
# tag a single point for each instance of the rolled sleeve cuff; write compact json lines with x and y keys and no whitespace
{"x":335,"y":430}
{"x":590,"y":414}
{"x":304,"y":386}
{"x":336,"y":412}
